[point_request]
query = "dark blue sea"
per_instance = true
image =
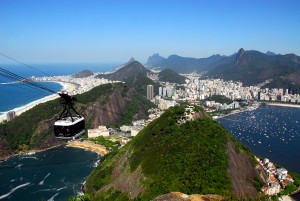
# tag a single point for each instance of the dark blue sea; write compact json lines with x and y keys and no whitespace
{"x":15,"y":95}
{"x":55,"y":174}
{"x":270,"y":132}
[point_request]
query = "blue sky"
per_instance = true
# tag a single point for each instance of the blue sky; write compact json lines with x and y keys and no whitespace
{"x":111,"y":31}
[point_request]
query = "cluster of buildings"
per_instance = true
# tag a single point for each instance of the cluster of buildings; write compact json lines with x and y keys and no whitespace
{"x":280,"y":95}
{"x":83,"y":84}
{"x":197,"y":89}
{"x":276,"y":178}
{"x":125,"y":132}
{"x":220,"y":106}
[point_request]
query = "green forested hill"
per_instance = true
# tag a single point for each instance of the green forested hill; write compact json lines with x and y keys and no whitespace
{"x":168,"y":75}
{"x":166,"y":157}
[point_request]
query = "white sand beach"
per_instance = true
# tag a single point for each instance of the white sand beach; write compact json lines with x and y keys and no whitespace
{"x":287,"y":198}
{"x":69,"y":87}
{"x":88,"y":145}
{"x":284,"y":105}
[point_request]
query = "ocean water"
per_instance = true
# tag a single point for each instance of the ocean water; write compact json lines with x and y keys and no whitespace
{"x":41,"y":70}
{"x":270,"y":132}
{"x":15,"y":95}
{"x":55,"y":174}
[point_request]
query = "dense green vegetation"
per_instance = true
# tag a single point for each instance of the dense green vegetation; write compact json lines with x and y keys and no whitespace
{"x":100,"y":93}
{"x":289,"y":189}
{"x":189,"y":158}
{"x":85,"y":197}
{"x":296,"y":178}
{"x":136,"y":104}
{"x":168,"y":75}
{"x":140,"y":82}
{"x":107,"y":143}
{"x":19,"y":131}
{"x":220,"y":99}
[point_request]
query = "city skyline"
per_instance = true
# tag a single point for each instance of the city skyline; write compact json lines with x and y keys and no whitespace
{"x":114,"y":31}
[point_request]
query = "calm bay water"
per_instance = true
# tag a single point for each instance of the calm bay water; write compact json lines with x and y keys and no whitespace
{"x":270,"y":132}
{"x":55,"y":174}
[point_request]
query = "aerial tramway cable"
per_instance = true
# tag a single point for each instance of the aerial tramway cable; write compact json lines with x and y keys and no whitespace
{"x":13,"y":76}
{"x":24,"y":64}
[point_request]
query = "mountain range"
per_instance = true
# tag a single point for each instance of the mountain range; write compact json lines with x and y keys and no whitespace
{"x":250,"y":67}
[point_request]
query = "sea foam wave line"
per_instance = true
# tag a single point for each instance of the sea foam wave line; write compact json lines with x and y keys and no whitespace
{"x":42,"y":182}
{"x":13,"y":190}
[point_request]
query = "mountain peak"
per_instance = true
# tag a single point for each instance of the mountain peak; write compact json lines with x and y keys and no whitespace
{"x":155,"y":59}
{"x":239,"y":55}
{"x":130,"y":69}
{"x":270,"y":53}
{"x":131,"y":60}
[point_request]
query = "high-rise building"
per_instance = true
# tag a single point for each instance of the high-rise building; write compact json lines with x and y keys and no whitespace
{"x":160,"y":91}
{"x":10,"y":115}
{"x":150,"y":93}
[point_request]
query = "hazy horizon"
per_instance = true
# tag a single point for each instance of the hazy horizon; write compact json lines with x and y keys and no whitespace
{"x":97,"y":32}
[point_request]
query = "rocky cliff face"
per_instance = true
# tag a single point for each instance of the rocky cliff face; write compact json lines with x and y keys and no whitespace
{"x":154,"y":59}
{"x":110,"y":112}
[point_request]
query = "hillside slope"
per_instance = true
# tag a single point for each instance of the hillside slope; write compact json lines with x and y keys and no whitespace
{"x":192,"y":158}
{"x":104,"y":105}
{"x":134,"y":74}
{"x":130,"y":69}
{"x":168,"y":75}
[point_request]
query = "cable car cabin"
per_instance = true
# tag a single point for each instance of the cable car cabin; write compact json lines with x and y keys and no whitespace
{"x":65,"y":128}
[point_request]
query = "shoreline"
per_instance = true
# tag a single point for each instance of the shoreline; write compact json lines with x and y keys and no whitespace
{"x":69,"y":87}
{"x":268,"y":103}
{"x":287,"y":198}
{"x":283,"y":105}
{"x":29,"y":152}
{"x":89,"y":146}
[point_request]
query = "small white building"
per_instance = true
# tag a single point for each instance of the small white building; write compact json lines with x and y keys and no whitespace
{"x":134,"y":132}
{"x":100,"y":131}
{"x":266,"y":161}
{"x":282,"y":171}
{"x":125,"y":128}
